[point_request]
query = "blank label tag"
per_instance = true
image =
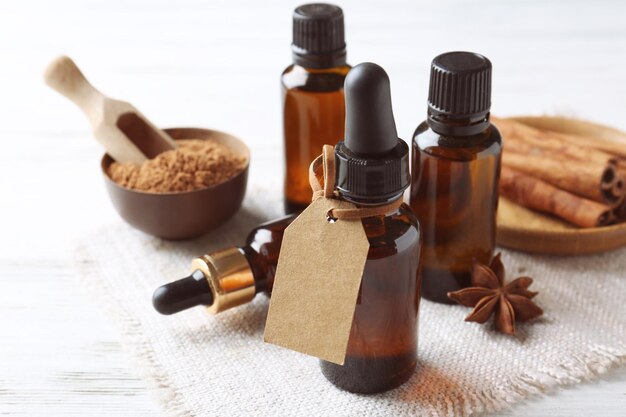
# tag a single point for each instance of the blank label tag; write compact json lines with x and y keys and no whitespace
{"x":317,"y":282}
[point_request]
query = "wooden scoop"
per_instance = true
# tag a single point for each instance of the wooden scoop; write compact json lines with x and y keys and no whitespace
{"x":125,"y":133}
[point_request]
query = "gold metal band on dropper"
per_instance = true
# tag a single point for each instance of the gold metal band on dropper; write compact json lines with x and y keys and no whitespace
{"x":230,"y":278}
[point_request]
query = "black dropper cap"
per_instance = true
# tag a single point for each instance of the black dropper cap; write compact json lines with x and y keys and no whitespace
{"x":318,"y":36}
{"x":372,"y":162}
{"x":185,"y":293}
{"x":460,"y":89}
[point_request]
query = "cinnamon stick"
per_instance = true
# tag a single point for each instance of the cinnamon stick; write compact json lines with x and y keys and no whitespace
{"x":609,"y":146}
{"x":536,"y":194}
{"x":620,"y":211}
{"x":621,"y":168}
{"x":597,"y":148}
{"x":598,"y":182}
{"x":537,"y":141}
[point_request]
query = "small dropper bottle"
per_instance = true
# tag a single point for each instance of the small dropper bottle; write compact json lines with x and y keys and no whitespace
{"x":372,"y":169}
{"x":312,"y":93}
{"x":228,"y":277}
{"x":456,"y":166}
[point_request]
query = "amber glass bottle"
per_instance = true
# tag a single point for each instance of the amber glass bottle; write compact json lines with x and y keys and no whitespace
{"x":228,"y":277}
{"x":456,"y":167}
{"x":313,"y":99}
{"x":382,"y":348}
{"x":372,"y":169}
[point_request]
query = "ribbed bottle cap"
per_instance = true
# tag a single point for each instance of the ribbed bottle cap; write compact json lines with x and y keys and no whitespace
{"x":372,"y":163}
{"x":460,"y":85}
{"x":318,"y":36}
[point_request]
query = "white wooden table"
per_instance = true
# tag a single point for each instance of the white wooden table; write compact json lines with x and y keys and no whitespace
{"x":216,"y":64}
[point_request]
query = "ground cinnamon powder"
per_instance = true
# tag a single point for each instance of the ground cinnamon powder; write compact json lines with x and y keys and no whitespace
{"x":193,"y":165}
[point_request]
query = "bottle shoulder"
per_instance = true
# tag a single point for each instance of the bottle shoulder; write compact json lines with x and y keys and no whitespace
{"x":393,"y":232}
{"x":269,"y":233}
{"x":297,"y":77}
{"x":484,"y":144}
{"x":407,"y":215}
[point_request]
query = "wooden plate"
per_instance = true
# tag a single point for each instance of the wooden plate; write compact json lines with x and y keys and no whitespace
{"x":523,"y":229}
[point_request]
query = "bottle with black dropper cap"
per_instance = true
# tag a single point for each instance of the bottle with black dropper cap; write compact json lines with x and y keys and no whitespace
{"x":228,"y":277}
{"x":372,"y":170}
{"x":312,"y":93}
{"x":456,"y":167}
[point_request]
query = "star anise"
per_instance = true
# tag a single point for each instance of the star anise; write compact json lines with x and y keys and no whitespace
{"x":488,"y":294}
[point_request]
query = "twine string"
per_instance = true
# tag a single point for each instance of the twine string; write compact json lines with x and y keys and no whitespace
{"x":327,"y":161}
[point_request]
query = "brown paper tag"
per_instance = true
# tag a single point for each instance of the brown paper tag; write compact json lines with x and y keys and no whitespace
{"x":317,"y":282}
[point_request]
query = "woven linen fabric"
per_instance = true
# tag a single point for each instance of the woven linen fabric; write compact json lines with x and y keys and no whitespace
{"x":202,"y":365}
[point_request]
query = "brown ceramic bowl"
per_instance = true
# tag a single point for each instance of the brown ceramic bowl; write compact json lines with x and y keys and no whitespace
{"x":182,"y":215}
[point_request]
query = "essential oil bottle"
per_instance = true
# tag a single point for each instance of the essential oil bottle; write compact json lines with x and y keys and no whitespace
{"x":228,"y":277}
{"x":456,"y":167}
{"x":372,"y":169}
{"x":312,"y":93}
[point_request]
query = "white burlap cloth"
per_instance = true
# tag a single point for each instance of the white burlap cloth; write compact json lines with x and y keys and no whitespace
{"x":202,"y":365}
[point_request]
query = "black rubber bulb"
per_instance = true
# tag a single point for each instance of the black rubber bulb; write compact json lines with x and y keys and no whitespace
{"x":185,"y":293}
{"x":372,"y":163}
{"x":370,"y":126}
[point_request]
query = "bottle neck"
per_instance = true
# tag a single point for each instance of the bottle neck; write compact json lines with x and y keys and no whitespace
{"x":319,"y":61}
{"x":458,"y":126}
{"x":372,"y":202}
{"x":376,"y":203}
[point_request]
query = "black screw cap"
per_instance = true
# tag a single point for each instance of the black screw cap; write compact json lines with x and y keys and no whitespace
{"x":318,"y":36}
{"x":460,"y":85}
